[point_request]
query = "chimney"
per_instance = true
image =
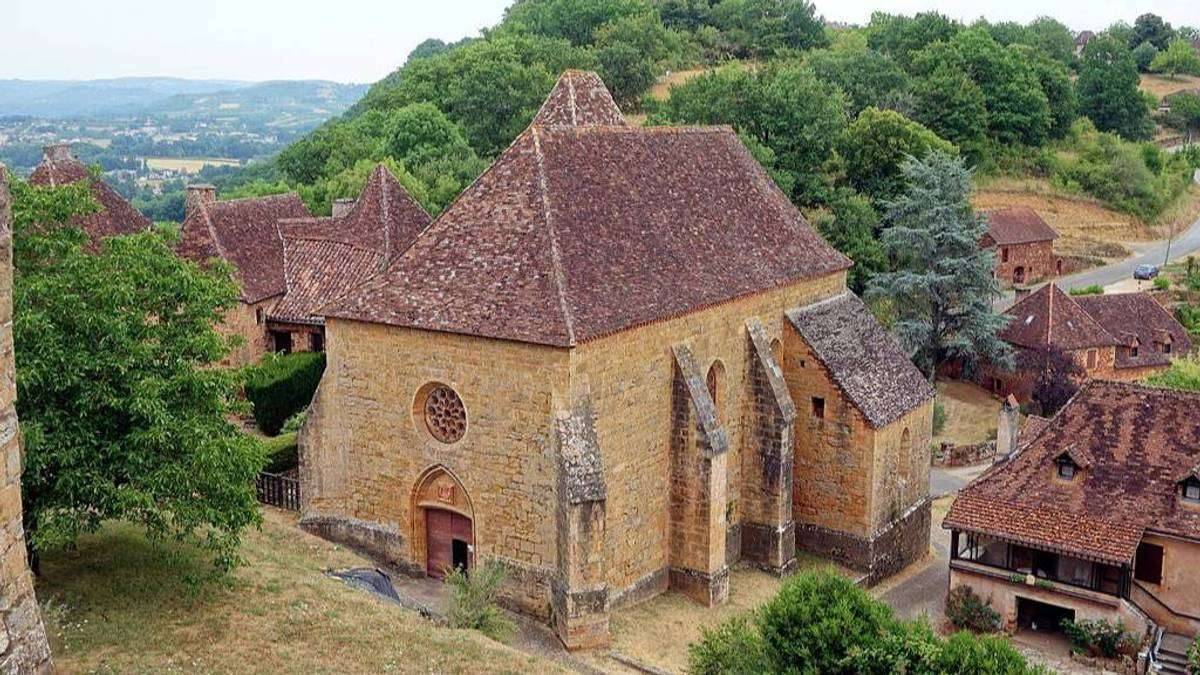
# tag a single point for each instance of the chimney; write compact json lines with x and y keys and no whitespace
{"x":1008,"y":428}
{"x":57,"y":152}
{"x":197,"y":196}
{"x":343,"y":206}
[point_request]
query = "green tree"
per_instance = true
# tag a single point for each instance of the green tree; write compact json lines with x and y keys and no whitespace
{"x":760,"y":28}
{"x":1179,"y":58}
{"x":1185,"y":112}
{"x":850,"y":225}
{"x":1056,"y":84}
{"x":123,"y":414}
{"x":867,"y":77}
{"x":1052,"y":38}
{"x":632,"y":51}
{"x":573,"y":20}
{"x":952,"y":105}
{"x":941,"y":286}
{"x":1108,"y":90}
{"x":1143,"y":55}
{"x":875,"y":146}
{"x":901,"y":37}
{"x":1151,"y":28}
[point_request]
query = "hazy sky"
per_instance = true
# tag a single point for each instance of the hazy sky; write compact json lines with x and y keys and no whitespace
{"x":358,"y":40}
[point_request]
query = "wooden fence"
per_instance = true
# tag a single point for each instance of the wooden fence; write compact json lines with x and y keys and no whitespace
{"x":276,"y":490}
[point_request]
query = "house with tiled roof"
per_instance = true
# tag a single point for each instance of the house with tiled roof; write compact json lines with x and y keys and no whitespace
{"x":1123,"y":336}
{"x":1096,"y":516}
{"x":618,"y":363}
{"x":1023,"y":244}
{"x":115,"y":216}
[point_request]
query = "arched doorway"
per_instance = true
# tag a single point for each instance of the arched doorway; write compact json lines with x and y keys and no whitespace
{"x":1018,"y":275}
{"x":443,"y":523}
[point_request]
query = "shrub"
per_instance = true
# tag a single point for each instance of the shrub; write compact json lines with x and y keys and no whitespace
{"x":283,"y":454}
{"x":282,"y":385}
{"x":733,"y":647}
{"x":965,"y":609}
{"x":1193,"y":657}
{"x":473,"y":601}
{"x":815,"y":621}
{"x":1183,"y":375}
{"x":939,"y":418}
{"x":969,"y":653}
{"x":1099,"y":637}
{"x":293,"y":423}
{"x":1094,"y":289}
{"x":1162,"y":284}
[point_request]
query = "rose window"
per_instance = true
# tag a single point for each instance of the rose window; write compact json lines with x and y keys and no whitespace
{"x":445,"y":415}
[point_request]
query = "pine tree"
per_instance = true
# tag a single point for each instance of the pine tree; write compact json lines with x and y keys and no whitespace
{"x":941,"y":286}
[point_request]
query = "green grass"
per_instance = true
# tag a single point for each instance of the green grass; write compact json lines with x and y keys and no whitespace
{"x":282,"y":452}
{"x":121,"y":604}
{"x":1094,"y":289}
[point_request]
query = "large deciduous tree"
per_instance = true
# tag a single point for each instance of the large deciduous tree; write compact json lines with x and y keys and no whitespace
{"x":123,"y":415}
{"x":1151,"y":28}
{"x":1108,"y":90}
{"x":877,"y":143}
{"x":1179,"y":58}
{"x":941,"y":286}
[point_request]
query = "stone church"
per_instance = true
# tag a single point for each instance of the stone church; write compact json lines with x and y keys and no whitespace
{"x":619,"y":363}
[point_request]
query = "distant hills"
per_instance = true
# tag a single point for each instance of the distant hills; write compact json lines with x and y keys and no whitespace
{"x":172,"y":96}
{"x":285,"y":103}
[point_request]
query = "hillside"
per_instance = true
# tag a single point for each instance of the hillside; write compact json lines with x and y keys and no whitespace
{"x":75,"y":98}
{"x":280,"y":103}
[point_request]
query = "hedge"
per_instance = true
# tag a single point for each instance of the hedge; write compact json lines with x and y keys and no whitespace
{"x":282,"y":451}
{"x":282,"y":385}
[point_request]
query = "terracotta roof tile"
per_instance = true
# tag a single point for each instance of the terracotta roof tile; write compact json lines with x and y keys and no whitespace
{"x":1050,"y":317}
{"x":579,"y":99}
{"x":576,"y":232}
{"x":864,"y":359}
{"x":1018,"y":225}
{"x":116,"y":215}
{"x":1138,"y":442}
{"x":1138,"y":316}
{"x":318,"y":272}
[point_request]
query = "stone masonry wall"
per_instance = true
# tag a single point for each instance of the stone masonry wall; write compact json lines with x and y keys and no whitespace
{"x":1037,"y":258}
{"x":629,"y":378}
{"x":243,"y":320}
{"x":23,"y":647}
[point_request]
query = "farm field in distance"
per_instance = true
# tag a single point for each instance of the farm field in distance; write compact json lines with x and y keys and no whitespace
{"x":187,"y":164}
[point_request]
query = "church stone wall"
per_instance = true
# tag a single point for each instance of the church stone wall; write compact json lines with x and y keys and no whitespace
{"x":366,"y":447}
{"x":23,"y":646}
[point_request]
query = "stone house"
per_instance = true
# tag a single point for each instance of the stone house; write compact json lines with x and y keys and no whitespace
{"x":23,"y":645}
{"x":1123,"y":336}
{"x":1082,"y":39}
{"x":1096,"y":515}
{"x":116,"y":215}
{"x":1024,"y":246}
{"x":290,"y":263}
{"x":620,"y":362}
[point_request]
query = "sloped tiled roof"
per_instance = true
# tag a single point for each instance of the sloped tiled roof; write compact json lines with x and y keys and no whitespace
{"x":584,"y":227}
{"x":1138,"y":442}
{"x":116,"y":215}
{"x":318,"y":272}
{"x":1137,"y":316}
{"x":865,"y":361}
{"x":1050,"y":317}
{"x":245,"y":233}
{"x":1018,"y":225}
{"x":384,"y":218}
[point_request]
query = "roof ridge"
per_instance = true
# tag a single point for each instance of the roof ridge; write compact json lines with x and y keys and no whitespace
{"x":239,"y":200}
{"x":555,"y":254}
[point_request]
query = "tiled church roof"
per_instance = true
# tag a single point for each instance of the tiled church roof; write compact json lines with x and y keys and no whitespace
{"x":245,"y":233}
{"x":864,"y":360}
{"x":1050,"y":317}
{"x":1018,"y":225}
{"x":584,"y":227}
{"x":116,"y":215}
{"x":1139,"y":443}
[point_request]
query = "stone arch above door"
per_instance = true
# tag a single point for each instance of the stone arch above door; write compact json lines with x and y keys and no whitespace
{"x":439,"y":490}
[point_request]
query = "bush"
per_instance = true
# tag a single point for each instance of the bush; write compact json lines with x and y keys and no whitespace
{"x":282,"y":385}
{"x":965,"y":609}
{"x":1094,"y":289}
{"x":733,"y":647}
{"x":1183,"y":375}
{"x":473,"y":601}
{"x":293,"y":423}
{"x":1193,"y":657}
{"x":969,"y":653}
{"x":1162,"y":284}
{"x":283,"y":454}
{"x":939,"y":418}
{"x":1099,"y":637}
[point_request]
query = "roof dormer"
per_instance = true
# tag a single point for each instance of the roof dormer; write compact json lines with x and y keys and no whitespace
{"x":1069,"y":463}
{"x":1189,"y":488}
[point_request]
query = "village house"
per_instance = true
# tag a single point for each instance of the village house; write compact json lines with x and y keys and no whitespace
{"x":1024,"y":246}
{"x":289,"y":263}
{"x":619,"y":363}
{"x":1096,"y":515}
{"x":1081,"y":41}
{"x":1122,"y":336}
{"x":115,"y":216}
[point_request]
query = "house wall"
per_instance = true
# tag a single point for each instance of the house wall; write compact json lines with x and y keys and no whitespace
{"x":1020,"y":383}
{"x":243,"y":321}
{"x":1176,"y":601}
{"x":1037,"y":258}
{"x":366,"y":447}
{"x":628,"y":377}
{"x":23,"y":646}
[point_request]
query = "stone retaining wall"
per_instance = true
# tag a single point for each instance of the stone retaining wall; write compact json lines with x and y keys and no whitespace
{"x":950,"y":455}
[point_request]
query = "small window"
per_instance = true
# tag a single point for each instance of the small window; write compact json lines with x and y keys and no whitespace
{"x":1191,"y":490}
{"x":1166,"y":347}
{"x":1003,"y":255}
{"x":1148,"y":564}
{"x":1133,"y":352}
{"x":258,"y":315}
{"x":1091,"y":358}
{"x":1066,"y":470}
{"x":818,"y":407}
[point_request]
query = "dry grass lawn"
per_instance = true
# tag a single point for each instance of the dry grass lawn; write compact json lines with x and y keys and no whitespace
{"x":662,"y":89}
{"x":117,"y":605}
{"x":186,"y":165}
{"x":1161,"y":86}
{"x":971,"y":413}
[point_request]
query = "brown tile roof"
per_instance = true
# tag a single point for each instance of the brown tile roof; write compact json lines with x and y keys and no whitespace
{"x":318,"y":272}
{"x":579,"y":99}
{"x":245,"y":233}
{"x":864,"y":359}
{"x":1137,"y":443}
{"x":1050,"y":317}
{"x":1138,"y":318}
{"x":1034,"y":425}
{"x":1017,"y":225}
{"x":116,"y":215}
{"x":582,"y":229}
{"x":384,"y":218}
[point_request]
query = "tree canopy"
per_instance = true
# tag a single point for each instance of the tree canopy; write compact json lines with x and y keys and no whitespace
{"x":1108,"y":90}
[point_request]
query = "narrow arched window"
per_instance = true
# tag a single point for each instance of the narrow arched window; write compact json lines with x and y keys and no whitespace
{"x":716,"y":382}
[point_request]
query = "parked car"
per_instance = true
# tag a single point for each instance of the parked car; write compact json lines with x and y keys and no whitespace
{"x":1145,"y":272}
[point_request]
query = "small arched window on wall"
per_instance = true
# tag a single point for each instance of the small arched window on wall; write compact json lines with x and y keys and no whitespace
{"x":777,"y":352}
{"x":906,"y":456}
{"x":716,"y":385}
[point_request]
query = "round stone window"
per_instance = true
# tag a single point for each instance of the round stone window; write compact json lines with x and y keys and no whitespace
{"x":445,"y":415}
